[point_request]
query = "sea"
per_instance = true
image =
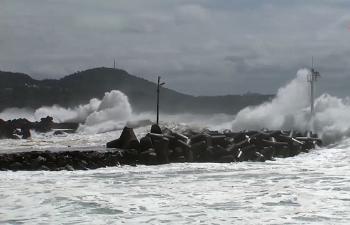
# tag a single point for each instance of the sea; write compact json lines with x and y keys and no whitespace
{"x":311,"y":188}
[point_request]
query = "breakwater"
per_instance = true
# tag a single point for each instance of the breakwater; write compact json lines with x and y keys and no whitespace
{"x":162,"y":146}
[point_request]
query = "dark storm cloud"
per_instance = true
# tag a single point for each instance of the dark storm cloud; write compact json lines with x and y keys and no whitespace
{"x":198,"y":46}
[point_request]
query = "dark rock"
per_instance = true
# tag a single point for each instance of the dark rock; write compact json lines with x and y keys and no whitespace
{"x":129,"y":156}
{"x":247,"y":153}
{"x":268,"y":152}
{"x":219,"y":140}
{"x":226,"y":159}
{"x":197,"y":149}
{"x":43,"y":167}
{"x":156,"y":129}
{"x":16,"y":166}
{"x":188,"y":155}
{"x":162,"y":150}
{"x":25,"y":131}
{"x":149,"y":157}
{"x":114,"y":144}
{"x":259,"y":157}
{"x":127,"y":140}
{"x":69,"y":167}
{"x":58,"y":132}
{"x":145,"y":143}
{"x":69,"y":127}
{"x":180,"y":159}
{"x":45,"y":125}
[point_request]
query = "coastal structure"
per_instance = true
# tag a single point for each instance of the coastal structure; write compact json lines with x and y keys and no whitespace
{"x":312,"y":78}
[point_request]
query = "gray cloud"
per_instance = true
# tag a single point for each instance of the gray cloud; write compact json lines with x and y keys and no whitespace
{"x":199,"y":46}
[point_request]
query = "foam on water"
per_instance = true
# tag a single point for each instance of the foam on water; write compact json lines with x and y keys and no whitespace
{"x":290,"y":110}
{"x":311,"y":188}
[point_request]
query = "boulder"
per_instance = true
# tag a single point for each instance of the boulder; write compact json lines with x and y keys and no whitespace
{"x":148,"y":157}
{"x":145,"y":143}
{"x":156,"y":129}
{"x":162,"y":150}
{"x":127,"y":140}
{"x":45,"y":125}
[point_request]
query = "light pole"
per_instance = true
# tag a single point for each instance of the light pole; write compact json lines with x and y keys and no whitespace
{"x":312,"y":78}
{"x":158,"y":90}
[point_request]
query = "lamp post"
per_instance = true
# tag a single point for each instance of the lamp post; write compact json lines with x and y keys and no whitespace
{"x":312,"y":78}
{"x":158,"y":90}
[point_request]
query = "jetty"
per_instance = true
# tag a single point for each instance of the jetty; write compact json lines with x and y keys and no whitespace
{"x":162,"y":146}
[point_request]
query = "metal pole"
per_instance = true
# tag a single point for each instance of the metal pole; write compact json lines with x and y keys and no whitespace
{"x":312,"y":78}
{"x":158,"y":85}
{"x":312,"y":96}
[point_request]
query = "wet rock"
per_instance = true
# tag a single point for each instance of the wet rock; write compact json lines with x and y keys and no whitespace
{"x":145,"y":143}
{"x":25,"y":131}
{"x":226,"y":159}
{"x":127,"y":140}
{"x":148,"y":157}
{"x":16,"y":166}
{"x":69,"y":167}
{"x":127,"y":157}
{"x":268,"y":152}
{"x":58,"y":132}
{"x":114,"y":144}
{"x":162,"y":150}
{"x":156,"y":129}
{"x":45,"y":124}
{"x":197,"y":149}
{"x":43,"y":167}
{"x":167,"y":147}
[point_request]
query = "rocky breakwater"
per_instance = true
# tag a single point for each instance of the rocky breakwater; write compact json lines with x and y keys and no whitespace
{"x":21,"y":128}
{"x":166,"y":146}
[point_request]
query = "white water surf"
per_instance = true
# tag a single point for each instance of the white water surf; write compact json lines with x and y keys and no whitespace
{"x":310,"y":188}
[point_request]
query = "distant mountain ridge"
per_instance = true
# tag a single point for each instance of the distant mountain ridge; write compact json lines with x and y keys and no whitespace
{"x":20,"y":90}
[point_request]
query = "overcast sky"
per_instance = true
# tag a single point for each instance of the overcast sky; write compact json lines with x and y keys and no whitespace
{"x":201,"y":47}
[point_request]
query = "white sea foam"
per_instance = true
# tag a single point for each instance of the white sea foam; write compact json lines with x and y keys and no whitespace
{"x":290,"y":110}
{"x":113,"y":112}
{"x":285,"y":111}
{"x":310,"y":188}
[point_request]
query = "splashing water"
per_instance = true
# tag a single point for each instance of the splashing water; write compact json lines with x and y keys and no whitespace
{"x":310,"y":188}
{"x":282,"y":112}
{"x":112,"y":113}
{"x":290,"y":110}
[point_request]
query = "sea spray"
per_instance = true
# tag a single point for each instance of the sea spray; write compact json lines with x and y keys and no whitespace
{"x":290,"y":110}
{"x":15,"y":113}
{"x":76,"y":114}
{"x":332,"y":118}
{"x":112,"y":113}
{"x":285,"y":111}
